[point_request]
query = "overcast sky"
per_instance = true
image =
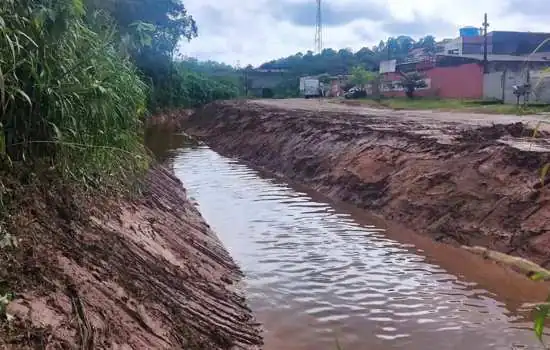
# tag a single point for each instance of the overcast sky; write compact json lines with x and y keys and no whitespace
{"x":255,"y":31}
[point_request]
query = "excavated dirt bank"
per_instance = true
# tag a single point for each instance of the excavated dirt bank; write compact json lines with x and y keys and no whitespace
{"x":458,"y":182}
{"x":109,"y":272}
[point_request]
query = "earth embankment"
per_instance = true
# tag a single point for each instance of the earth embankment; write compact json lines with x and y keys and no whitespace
{"x":461,"y":181}
{"x":106,"y":271}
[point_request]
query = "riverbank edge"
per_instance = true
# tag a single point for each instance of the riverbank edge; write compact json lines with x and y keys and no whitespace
{"x":99,"y":270}
{"x":296,"y":146}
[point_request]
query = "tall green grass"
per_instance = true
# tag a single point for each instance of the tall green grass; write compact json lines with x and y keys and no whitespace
{"x":67,"y":94}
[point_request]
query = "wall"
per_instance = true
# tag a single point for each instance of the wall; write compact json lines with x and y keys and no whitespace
{"x":492,"y":86}
{"x":517,"y":65}
{"x":500,"y":85}
{"x":461,"y":82}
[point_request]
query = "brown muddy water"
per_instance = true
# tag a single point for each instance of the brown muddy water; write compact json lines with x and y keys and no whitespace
{"x":320,"y":273}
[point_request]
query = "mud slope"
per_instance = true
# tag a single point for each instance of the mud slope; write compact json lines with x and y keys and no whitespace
{"x":108,"y":273}
{"x":458,"y":183}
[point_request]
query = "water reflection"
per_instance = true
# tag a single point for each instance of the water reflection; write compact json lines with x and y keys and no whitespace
{"x":313,"y":274}
{"x":163,"y":143}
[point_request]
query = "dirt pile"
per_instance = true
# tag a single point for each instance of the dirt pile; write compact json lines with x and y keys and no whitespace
{"x":115,"y":273}
{"x":454,"y":181}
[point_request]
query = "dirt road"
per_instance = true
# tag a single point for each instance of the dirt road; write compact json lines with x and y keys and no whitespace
{"x":424,"y":116}
{"x":466,"y":179}
{"x":440,"y":125}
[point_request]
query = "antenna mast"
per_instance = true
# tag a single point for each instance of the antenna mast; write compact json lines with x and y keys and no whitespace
{"x":319,"y":30}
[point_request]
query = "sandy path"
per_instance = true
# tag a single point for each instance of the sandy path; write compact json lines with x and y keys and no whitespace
{"x":440,"y":125}
{"x":422,"y":116}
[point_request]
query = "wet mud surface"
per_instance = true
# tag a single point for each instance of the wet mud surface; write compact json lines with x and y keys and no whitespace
{"x":471,"y":182}
{"x":110,"y":272}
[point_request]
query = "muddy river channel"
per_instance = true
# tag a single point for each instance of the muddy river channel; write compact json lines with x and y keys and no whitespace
{"x":321,"y":275}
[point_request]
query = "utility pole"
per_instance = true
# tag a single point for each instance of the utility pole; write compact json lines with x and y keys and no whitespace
{"x":246,"y":81}
{"x":485,"y":46}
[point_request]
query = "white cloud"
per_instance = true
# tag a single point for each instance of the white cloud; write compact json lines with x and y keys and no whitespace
{"x":255,"y":31}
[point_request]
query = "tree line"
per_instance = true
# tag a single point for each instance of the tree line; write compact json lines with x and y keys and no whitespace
{"x":342,"y":61}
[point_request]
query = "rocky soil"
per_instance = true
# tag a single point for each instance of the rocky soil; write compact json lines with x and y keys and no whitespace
{"x":101,"y":271}
{"x":459,"y":180}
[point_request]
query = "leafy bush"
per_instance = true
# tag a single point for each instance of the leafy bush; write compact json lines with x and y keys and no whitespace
{"x":186,"y":88}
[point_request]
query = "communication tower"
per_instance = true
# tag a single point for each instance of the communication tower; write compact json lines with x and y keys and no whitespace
{"x":319,"y":29}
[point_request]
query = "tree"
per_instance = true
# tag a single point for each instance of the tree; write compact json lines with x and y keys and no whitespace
{"x":412,"y":81}
{"x":360,"y":76}
{"x":153,"y":29}
{"x":428,"y":43}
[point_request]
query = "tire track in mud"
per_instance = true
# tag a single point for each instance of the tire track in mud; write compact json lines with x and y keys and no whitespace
{"x":143,"y":273}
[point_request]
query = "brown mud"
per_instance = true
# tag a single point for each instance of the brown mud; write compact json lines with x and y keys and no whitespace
{"x":108,"y":271}
{"x":460,"y":183}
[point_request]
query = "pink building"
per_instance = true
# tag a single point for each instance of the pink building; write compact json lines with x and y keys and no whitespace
{"x":445,"y":77}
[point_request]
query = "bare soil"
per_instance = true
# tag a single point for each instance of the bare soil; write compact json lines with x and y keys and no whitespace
{"x":462,"y":179}
{"x":97,"y":270}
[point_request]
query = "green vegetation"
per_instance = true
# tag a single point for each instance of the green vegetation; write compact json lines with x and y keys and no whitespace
{"x":77,"y":77}
{"x":150,"y":32}
{"x":67,"y":93}
{"x":341,"y":62}
{"x":187,"y":88}
{"x":361,"y":76}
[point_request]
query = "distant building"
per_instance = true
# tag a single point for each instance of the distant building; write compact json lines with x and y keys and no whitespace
{"x":456,"y":70}
{"x":462,"y":77}
{"x":516,"y":43}
{"x":446,"y":76}
{"x":498,"y":43}
{"x":464,"y":46}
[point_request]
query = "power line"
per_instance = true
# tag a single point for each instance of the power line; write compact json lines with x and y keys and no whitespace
{"x":319,"y":29}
